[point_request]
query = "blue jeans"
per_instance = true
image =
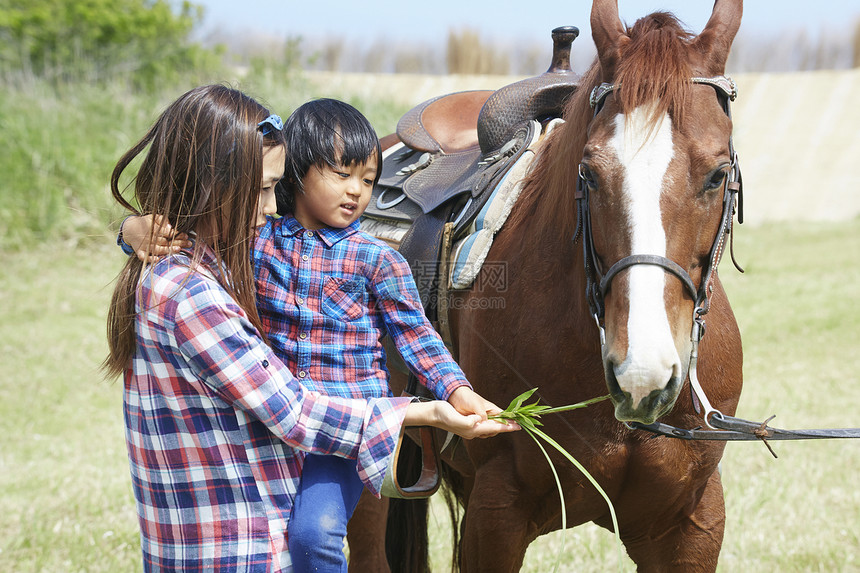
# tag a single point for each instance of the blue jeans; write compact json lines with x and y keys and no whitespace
{"x":327,"y":496}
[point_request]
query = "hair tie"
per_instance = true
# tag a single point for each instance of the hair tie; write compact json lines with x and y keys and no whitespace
{"x":273,"y":122}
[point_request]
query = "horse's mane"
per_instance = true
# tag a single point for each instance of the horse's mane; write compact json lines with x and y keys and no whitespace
{"x":653,"y":68}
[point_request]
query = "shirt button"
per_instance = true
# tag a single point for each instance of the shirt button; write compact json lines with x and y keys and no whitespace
{"x":300,"y":301}
{"x":302,"y":373}
{"x":305,"y":257}
{"x":303,"y":335}
{"x":265,"y":363}
{"x":310,"y":233}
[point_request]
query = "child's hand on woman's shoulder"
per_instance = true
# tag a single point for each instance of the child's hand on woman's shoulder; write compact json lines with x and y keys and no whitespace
{"x":152,"y":237}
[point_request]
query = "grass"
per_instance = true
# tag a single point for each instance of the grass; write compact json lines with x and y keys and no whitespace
{"x":58,"y":146}
{"x":65,"y":494}
{"x":528,"y":417}
{"x":65,"y":491}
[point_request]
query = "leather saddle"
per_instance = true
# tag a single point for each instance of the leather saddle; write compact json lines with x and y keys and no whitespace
{"x":450,"y":153}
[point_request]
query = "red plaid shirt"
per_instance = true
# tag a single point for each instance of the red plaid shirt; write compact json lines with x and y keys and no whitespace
{"x":214,"y":422}
{"x":327,"y":298}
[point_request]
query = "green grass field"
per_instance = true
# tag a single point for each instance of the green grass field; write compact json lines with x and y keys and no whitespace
{"x":65,"y":495}
{"x":58,"y":146}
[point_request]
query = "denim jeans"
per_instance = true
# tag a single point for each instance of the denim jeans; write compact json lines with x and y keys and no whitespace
{"x":327,"y":496}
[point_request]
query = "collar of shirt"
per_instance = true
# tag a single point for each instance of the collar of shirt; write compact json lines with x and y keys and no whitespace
{"x":208,"y":259}
{"x":328,"y":235}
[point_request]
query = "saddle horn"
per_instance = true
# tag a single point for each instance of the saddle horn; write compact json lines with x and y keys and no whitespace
{"x":532,"y":98}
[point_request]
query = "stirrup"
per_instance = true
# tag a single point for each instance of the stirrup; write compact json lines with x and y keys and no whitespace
{"x":429,"y":480}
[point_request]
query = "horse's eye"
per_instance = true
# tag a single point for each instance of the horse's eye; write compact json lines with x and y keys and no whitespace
{"x":716,"y":178}
{"x":587,"y":176}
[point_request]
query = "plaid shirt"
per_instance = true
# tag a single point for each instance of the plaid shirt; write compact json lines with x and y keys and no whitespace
{"x":326,"y":299}
{"x":213,"y":424}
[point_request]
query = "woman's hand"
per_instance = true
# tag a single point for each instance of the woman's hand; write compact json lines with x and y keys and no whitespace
{"x":152,"y":237}
{"x":443,"y":415}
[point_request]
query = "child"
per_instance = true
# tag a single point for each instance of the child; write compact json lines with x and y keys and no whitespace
{"x":329,"y":294}
{"x":213,"y":418}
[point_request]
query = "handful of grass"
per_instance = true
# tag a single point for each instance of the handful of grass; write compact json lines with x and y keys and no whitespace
{"x":528,"y":417}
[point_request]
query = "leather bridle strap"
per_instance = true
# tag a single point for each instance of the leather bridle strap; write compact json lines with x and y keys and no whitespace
{"x":597,"y":286}
{"x":723,"y":84}
{"x":656,"y":260}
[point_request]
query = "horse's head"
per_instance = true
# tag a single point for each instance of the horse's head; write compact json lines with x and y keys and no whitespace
{"x":653,"y":175}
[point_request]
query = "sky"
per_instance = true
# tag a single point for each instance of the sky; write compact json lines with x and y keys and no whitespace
{"x":430,"y":21}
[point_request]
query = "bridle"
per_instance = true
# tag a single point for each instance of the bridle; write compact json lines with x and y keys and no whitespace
{"x":722,"y":426}
{"x":598,"y":282}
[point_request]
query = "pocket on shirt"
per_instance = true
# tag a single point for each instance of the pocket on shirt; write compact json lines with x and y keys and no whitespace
{"x":345,"y":299}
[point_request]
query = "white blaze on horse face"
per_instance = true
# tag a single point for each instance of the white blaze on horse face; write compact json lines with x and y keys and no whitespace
{"x":644,"y":154}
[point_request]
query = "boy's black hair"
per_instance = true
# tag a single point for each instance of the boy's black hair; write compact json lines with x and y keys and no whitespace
{"x":316,"y":133}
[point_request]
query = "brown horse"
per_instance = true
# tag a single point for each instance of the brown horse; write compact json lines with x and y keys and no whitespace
{"x":610,"y":258}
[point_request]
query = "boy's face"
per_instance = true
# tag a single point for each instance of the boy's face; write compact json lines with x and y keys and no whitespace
{"x":335,"y":197}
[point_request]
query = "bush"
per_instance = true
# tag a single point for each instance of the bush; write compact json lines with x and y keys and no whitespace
{"x":96,"y":40}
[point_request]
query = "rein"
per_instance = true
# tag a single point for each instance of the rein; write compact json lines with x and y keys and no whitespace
{"x":722,"y":427}
{"x":737,"y":429}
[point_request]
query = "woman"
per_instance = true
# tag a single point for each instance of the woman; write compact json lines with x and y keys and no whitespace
{"x":215,"y":424}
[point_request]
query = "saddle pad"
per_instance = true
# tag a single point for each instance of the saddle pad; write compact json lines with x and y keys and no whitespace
{"x":390,"y":231}
{"x":469,"y":253}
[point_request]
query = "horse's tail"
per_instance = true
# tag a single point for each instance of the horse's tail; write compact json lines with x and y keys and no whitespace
{"x":407,"y":544}
{"x":453,"y":491}
{"x":406,"y":541}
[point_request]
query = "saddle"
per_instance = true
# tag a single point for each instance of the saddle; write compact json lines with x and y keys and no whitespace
{"x":453,"y":152}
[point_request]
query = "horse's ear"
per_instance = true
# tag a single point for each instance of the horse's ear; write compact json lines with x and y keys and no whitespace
{"x":716,"y":39}
{"x":608,"y":34}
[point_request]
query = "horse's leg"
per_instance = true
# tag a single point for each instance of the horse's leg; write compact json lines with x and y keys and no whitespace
{"x":496,"y":530}
{"x":365,"y":534}
{"x":693,"y":544}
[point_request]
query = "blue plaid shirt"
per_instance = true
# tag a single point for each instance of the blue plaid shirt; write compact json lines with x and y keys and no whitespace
{"x":327,"y":298}
{"x":214,"y":425}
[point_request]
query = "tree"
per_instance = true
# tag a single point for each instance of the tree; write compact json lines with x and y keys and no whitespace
{"x":86,"y":39}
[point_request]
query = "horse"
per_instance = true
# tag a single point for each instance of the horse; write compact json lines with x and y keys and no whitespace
{"x":610,"y":258}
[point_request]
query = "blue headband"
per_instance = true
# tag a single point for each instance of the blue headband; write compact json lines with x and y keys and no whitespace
{"x":273,"y":122}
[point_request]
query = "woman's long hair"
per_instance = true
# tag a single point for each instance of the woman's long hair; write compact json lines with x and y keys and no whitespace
{"x":202,"y":173}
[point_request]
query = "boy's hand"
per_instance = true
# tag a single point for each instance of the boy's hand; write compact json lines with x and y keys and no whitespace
{"x":152,"y":237}
{"x":466,"y":401}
